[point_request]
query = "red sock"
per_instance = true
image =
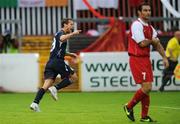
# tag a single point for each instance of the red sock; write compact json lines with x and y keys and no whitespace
{"x":138,"y":96}
{"x":145,"y":106}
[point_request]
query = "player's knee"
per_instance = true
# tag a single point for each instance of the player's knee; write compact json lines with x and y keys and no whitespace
{"x":47,"y":84}
{"x":147,"y":87}
{"x":73,"y":78}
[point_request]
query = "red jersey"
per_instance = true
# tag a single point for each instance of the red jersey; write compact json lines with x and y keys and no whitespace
{"x":133,"y":46}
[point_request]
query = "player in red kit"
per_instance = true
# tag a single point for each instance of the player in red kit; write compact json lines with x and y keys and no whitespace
{"x":141,"y":36}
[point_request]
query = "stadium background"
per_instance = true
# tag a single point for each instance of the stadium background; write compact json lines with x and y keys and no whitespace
{"x":34,"y":22}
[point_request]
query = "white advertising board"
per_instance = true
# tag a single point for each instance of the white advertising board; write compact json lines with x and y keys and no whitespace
{"x":19,"y":72}
{"x":108,"y":71}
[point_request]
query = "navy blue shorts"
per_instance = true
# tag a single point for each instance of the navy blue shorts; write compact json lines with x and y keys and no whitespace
{"x":55,"y":67}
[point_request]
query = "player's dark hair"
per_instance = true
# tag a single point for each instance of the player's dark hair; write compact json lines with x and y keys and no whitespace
{"x":143,"y":4}
{"x":65,"y":21}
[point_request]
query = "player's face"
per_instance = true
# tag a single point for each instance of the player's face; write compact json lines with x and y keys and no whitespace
{"x":177,"y":35}
{"x":145,"y":12}
{"x":70,"y":26}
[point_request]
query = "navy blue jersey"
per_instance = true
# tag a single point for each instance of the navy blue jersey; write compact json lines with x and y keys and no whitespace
{"x":58,"y":49}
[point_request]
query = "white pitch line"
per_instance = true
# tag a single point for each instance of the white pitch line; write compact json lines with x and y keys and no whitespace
{"x":166,"y":107}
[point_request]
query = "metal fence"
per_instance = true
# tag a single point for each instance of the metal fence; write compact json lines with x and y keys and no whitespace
{"x":47,"y":20}
{"x":162,"y":19}
{"x":171,"y":24}
{"x":35,"y":20}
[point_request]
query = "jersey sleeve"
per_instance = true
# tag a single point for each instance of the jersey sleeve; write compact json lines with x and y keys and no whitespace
{"x":154,"y":33}
{"x":137,"y":32}
{"x":58,"y":35}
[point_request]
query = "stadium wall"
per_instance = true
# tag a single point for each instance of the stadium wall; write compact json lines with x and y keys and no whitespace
{"x":104,"y":71}
{"x":111,"y":72}
{"x":19,"y":72}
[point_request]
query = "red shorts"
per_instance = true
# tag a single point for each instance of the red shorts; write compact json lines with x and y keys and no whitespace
{"x":141,"y":69}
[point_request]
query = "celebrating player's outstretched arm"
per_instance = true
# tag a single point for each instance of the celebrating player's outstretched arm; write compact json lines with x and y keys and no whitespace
{"x":67,"y":36}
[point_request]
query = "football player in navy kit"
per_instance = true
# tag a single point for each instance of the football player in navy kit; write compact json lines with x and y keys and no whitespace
{"x":56,"y":64}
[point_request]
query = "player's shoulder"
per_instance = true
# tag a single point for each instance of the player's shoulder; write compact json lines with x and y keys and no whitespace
{"x":172,"y":43}
{"x":59,"y":33}
{"x":136,"y":24}
{"x":172,"y":40}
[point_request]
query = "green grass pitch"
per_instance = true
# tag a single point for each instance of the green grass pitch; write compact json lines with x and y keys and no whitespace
{"x":86,"y":108}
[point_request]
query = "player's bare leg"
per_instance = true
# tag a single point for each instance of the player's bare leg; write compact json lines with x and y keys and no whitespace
{"x":64,"y":83}
{"x":47,"y":83}
{"x":73,"y":77}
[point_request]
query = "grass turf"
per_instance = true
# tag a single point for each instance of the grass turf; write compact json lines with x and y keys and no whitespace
{"x":86,"y":108}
